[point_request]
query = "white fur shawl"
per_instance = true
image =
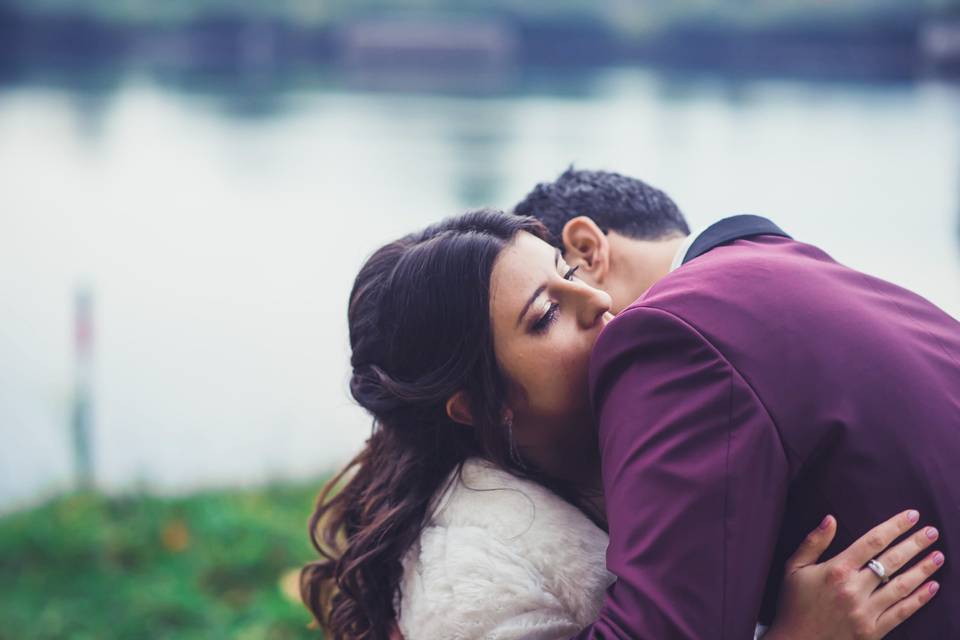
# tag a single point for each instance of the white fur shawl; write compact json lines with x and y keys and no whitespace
{"x":502,"y":558}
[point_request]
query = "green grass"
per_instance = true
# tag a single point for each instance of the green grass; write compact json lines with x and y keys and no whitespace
{"x":208,"y":566}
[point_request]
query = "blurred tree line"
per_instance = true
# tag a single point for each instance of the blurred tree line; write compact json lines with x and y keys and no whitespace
{"x":813,"y":36}
{"x":623,"y":16}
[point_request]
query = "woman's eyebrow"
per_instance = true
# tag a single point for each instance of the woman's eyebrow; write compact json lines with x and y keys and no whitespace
{"x":557,"y":255}
{"x":536,"y":294}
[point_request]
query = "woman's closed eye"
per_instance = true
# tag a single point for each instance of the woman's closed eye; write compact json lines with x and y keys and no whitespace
{"x":541,"y":325}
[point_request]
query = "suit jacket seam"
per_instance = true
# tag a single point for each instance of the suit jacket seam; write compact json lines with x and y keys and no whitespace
{"x":753,"y":391}
{"x":726,"y":506}
{"x":735,"y":374}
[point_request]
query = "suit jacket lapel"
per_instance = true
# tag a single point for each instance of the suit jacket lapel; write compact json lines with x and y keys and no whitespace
{"x":730,"y":229}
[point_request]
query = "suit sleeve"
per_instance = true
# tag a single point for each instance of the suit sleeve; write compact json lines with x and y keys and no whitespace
{"x":695,"y":478}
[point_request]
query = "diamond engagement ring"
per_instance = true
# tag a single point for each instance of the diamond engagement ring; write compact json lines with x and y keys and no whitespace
{"x":877,"y":567}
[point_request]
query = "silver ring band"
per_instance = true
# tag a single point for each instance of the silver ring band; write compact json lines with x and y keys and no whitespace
{"x":877,"y":567}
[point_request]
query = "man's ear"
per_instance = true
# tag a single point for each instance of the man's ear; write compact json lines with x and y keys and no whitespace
{"x":586,"y":245}
{"x":458,"y":408}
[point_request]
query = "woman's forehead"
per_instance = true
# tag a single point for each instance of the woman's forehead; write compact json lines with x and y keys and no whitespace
{"x":521,"y":267}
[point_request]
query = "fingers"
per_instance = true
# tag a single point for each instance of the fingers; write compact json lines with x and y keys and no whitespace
{"x":905,"y":608}
{"x":813,"y":545}
{"x":894,"y":558}
{"x":904,"y":584}
{"x":872,"y":543}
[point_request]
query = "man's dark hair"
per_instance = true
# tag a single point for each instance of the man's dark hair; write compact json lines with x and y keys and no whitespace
{"x":615,"y":202}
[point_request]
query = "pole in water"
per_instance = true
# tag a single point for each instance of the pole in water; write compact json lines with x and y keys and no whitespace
{"x":81,"y":420}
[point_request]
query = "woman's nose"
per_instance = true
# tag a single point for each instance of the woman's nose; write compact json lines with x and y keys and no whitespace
{"x":590,"y":303}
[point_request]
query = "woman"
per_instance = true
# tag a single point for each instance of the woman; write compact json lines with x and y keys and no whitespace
{"x":474,"y":510}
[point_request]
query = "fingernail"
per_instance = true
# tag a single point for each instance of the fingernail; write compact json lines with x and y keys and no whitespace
{"x":933,"y":588}
{"x":913,"y":515}
{"x":932,"y":533}
{"x":938,"y":558}
{"x":825,"y":523}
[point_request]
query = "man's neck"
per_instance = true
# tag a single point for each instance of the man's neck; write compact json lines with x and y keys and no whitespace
{"x":642,"y":262}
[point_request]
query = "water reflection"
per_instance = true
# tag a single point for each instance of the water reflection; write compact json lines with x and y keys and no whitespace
{"x":221,"y":218}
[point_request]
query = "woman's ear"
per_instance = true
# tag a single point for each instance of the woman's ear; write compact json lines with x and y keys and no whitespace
{"x":587,"y":246}
{"x":458,"y":408}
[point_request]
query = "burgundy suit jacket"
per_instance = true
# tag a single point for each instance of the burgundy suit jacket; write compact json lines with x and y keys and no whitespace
{"x":745,"y":396}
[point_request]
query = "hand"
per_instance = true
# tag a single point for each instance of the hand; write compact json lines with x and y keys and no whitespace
{"x":840,"y":598}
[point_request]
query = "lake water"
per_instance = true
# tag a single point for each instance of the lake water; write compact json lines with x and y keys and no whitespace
{"x":220,"y":229}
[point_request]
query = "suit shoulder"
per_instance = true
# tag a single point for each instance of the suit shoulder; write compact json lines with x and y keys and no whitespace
{"x":736,"y":284}
{"x":646,"y":323}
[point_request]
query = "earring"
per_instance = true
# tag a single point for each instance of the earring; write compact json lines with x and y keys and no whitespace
{"x":514,"y":451}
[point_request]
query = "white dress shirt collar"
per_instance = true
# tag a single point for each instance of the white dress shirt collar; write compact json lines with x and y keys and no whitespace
{"x":684,"y":247}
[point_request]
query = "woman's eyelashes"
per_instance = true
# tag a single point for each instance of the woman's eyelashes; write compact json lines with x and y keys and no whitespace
{"x":541,"y":325}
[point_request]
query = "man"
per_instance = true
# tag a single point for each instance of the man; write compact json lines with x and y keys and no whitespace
{"x":749,"y":385}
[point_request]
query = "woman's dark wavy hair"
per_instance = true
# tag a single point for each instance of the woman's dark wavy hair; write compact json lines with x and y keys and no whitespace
{"x":419,"y":319}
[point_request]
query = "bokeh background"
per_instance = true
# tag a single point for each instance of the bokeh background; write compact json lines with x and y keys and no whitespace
{"x":187,"y":189}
